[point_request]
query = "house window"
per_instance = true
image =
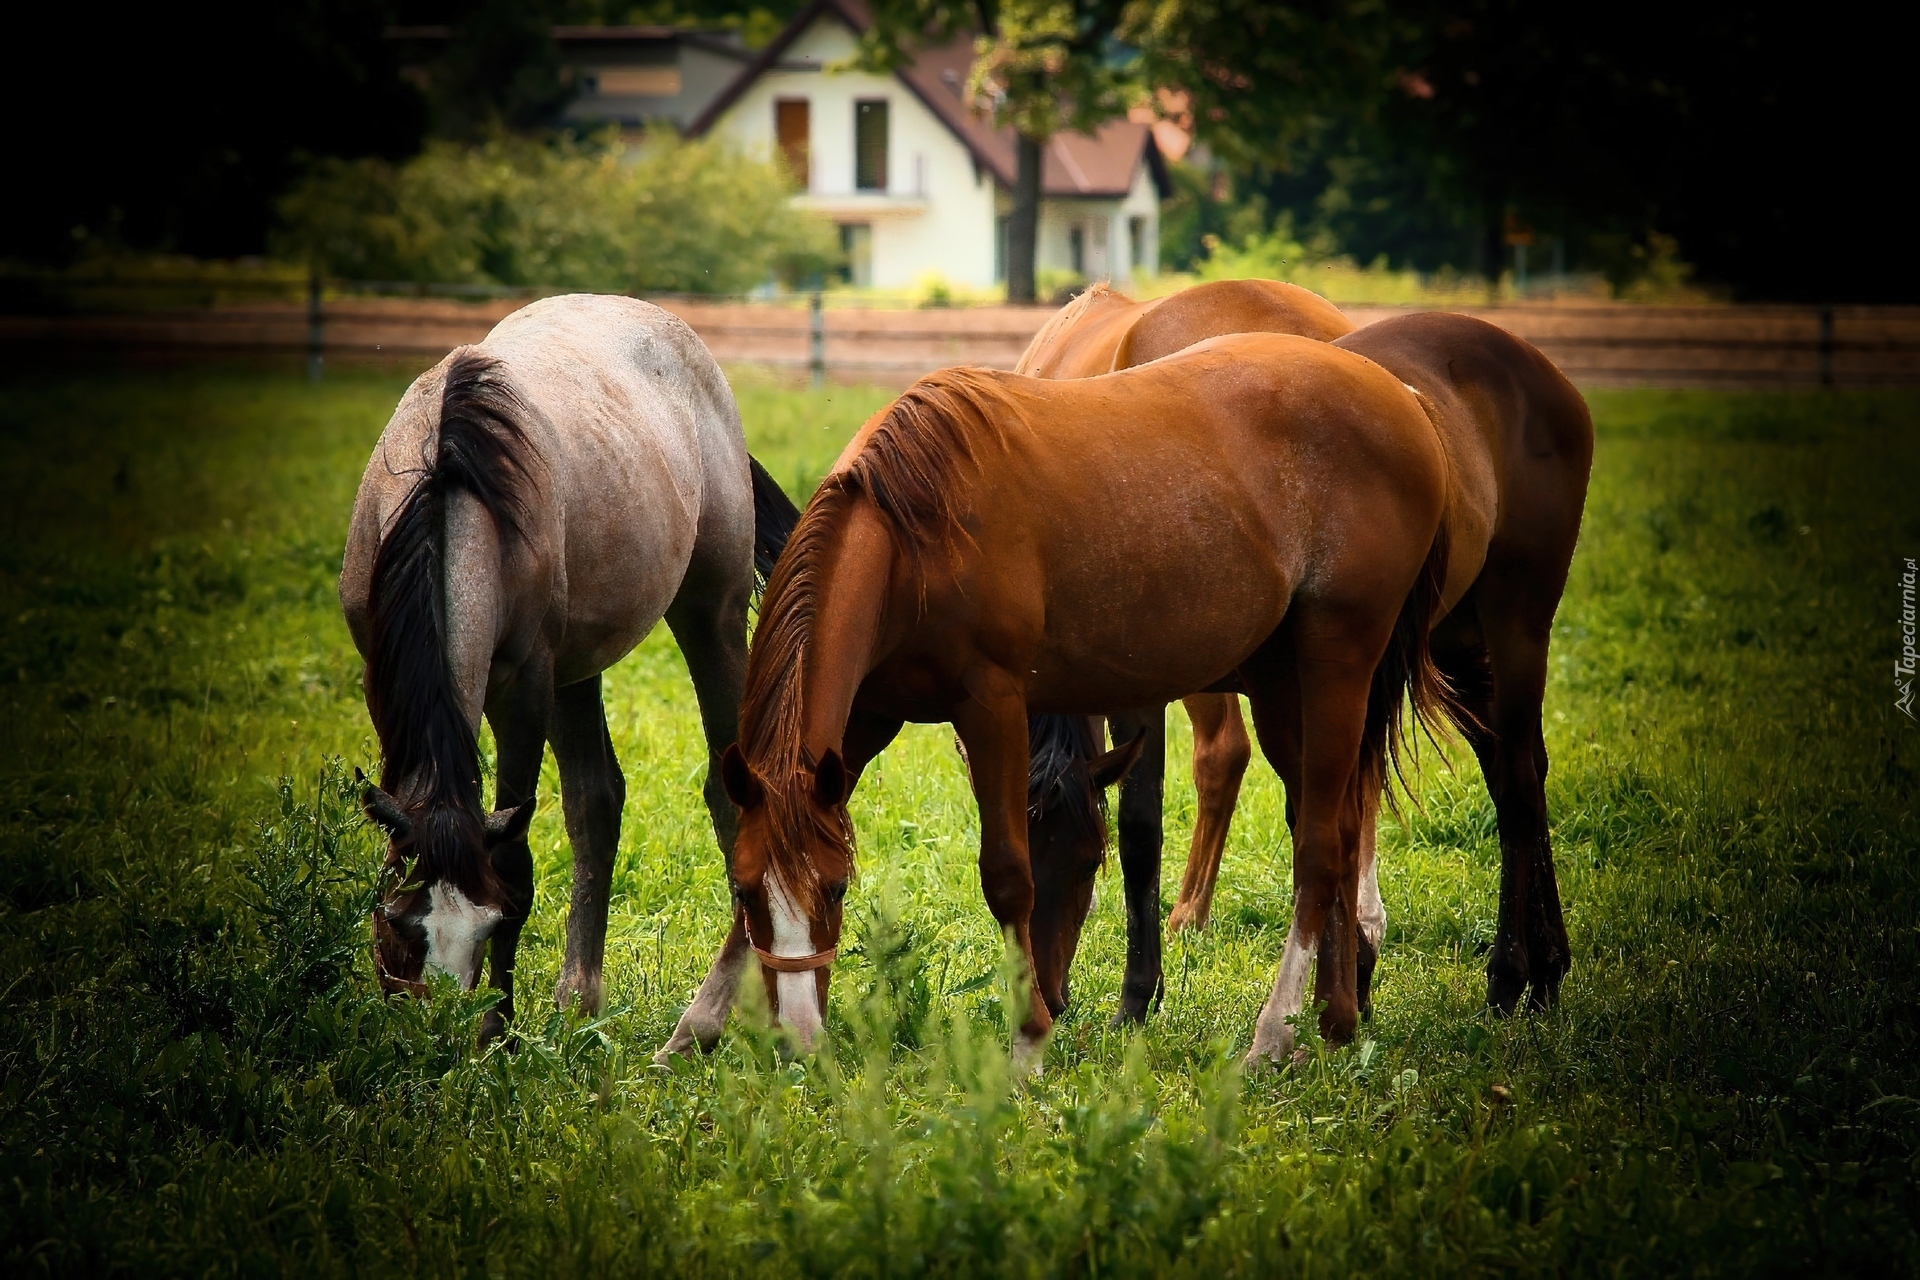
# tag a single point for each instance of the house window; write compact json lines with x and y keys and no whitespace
{"x":1136,"y":242}
{"x":870,"y":145}
{"x":1077,"y":248}
{"x":856,"y":250}
{"x":636,"y":82}
{"x":792,"y":128}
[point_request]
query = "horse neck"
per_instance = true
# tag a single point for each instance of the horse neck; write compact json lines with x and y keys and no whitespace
{"x":849,"y":624}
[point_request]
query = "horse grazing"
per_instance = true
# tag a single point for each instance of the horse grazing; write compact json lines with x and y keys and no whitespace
{"x":1097,"y":332}
{"x":965,"y":561}
{"x":536,"y":504}
{"x":1520,"y":442}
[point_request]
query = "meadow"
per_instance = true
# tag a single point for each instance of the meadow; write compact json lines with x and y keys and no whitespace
{"x":198,"y":1075}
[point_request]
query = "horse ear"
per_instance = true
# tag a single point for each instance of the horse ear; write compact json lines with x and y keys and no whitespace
{"x":831,"y":782}
{"x":504,"y":826}
{"x":742,"y":787}
{"x":1111,"y":767}
{"x":383,"y":810}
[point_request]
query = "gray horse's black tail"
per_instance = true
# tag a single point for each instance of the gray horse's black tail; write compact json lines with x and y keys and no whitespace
{"x":774,"y":516}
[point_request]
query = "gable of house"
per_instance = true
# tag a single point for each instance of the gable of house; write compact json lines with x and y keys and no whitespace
{"x":918,"y":182}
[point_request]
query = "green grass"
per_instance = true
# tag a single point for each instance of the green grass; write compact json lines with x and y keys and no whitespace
{"x":196,"y":1074}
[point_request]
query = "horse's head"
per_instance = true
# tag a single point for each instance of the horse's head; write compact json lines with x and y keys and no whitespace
{"x":1066,"y":844}
{"x":791,"y":862}
{"x":439,"y":899}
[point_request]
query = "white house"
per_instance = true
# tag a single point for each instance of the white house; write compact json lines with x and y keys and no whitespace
{"x":916,"y":181}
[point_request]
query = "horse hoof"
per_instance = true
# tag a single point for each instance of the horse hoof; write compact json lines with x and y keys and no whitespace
{"x":1029,"y":1056}
{"x":1504,"y":989}
{"x":493,"y":1027}
{"x":587,"y":993}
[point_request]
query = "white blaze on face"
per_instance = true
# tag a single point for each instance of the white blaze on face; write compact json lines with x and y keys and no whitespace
{"x":457,"y":931}
{"x":793,"y":937}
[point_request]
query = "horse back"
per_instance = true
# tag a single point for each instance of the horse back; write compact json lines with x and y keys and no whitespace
{"x":1519,"y":436}
{"x":1204,"y":492}
{"x":1228,"y":306}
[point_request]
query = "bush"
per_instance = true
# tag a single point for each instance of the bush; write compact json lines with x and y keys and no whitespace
{"x":594,"y":214}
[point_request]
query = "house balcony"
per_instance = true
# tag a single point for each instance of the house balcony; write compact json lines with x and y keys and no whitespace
{"x":862,"y":206}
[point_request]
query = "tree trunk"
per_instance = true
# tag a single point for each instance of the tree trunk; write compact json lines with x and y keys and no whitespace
{"x":1023,"y":227}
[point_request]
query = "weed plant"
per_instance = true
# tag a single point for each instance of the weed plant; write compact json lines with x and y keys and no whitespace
{"x":198,"y":1075}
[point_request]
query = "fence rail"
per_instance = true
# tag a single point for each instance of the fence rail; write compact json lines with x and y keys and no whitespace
{"x":1596,"y":344}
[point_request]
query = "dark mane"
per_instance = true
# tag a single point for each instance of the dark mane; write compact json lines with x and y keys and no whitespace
{"x":431,"y":755}
{"x":1055,"y":745}
{"x":916,"y":468}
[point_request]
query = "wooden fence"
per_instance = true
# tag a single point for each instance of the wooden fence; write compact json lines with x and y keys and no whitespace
{"x":1597,"y":344}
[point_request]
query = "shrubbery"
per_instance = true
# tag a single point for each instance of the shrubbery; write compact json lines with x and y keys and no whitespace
{"x":593,"y":214}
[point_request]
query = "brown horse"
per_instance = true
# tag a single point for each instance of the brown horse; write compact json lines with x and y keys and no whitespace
{"x":1283,"y":507}
{"x":1097,"y":332}
{"x":1521,"y":444}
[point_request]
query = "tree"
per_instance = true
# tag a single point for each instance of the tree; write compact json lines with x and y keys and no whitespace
{"x":175,"y":128}
{"x":1041,"y":66}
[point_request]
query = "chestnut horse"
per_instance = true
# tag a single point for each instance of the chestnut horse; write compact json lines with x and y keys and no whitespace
{"x":536,"y":504}
{"x":1282,"y":509}
{"x":1521,"y":444}
{"x":1095,"y":333}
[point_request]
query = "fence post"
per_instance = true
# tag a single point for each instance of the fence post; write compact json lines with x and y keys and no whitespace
{"x":316,"y":329}
{"x":817,"y":342}
{"x":1826,"y":346}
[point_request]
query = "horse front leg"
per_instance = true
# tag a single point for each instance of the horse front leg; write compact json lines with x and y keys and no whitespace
{"x":1142,"y":797}
{"x":993,"y":728}
{"x":592,"y":793}
{"x":518,"y":713}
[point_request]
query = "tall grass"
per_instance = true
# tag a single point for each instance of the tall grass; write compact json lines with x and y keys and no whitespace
{"x":197,"y":1074}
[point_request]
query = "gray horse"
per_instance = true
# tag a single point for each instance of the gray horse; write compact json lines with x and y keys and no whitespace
{"x":536,"y":504}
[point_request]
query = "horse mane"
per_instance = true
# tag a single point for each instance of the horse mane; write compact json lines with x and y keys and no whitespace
{"x":1065,"y":318}
{"x":916,"y":468}
{"x":1055,"y":745}
{"x":431,"y":754}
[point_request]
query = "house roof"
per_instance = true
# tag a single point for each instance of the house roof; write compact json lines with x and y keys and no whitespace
{"x":1102,"y":164}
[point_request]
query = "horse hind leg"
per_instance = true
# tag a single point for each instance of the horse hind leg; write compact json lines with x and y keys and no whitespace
{"x":1221,"y":753}
{"x":592,"y":793}
{"x":1530,"y":950}
{"x":1373,"y":911}
{"x":1332,"y":708}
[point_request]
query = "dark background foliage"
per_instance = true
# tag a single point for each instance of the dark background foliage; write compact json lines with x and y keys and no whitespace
{"x":1763,"y":138}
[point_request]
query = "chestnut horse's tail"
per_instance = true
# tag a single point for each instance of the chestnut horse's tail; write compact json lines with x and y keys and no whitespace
{"x":1407,"y":670}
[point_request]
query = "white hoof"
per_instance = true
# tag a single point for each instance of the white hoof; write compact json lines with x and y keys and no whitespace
{"x":1029,"y":1056}
{"x":1270,"y":1049}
